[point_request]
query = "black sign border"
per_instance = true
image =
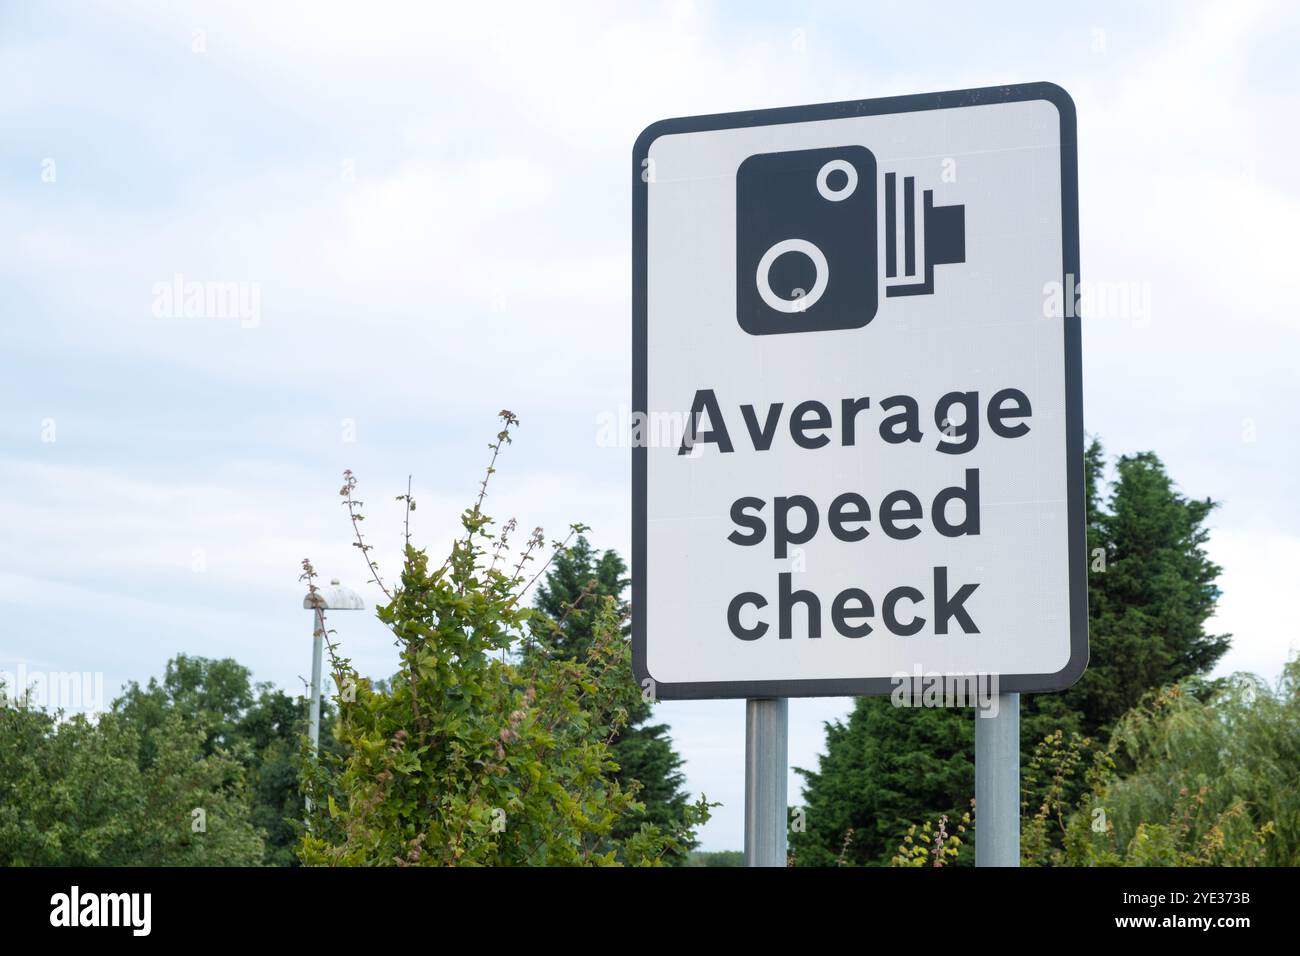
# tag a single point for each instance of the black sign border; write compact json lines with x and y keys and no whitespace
{"x":869,"y":686}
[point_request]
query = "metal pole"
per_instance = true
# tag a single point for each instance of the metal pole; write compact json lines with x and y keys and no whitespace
{"x":317,"y":642}
{"x":997,"y":784}
{"x":766,"y":758}
{"x":313,"y":718}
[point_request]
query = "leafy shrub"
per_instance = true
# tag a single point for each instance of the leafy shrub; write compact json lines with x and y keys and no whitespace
{"x":476,"y":754}
{"x":1209,"y":778}
{"x":73,"y":793}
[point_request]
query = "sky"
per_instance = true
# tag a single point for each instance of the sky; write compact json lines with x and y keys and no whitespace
{"x":426,"y":211}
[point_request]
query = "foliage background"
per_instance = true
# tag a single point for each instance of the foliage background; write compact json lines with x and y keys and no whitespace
{"x":515,"y":734}
{"x":1151,"y":590}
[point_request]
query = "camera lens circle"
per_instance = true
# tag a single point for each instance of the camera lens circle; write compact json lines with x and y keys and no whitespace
{"x":845,"y":191}
{"x":802,"y":303}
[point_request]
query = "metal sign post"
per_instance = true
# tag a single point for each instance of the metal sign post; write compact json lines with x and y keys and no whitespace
{"x":997,"y":784}
{"x":766,"y":760}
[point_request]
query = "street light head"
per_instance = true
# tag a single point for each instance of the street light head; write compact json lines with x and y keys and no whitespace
{"x":334,"y":598}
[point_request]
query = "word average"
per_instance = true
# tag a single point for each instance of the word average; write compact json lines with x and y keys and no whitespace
{"x":811,"y":424}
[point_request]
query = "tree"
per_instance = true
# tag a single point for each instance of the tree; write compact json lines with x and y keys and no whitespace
{"x":1209,"y":778}
{"x":1151,"y":590}
{"x":472,"y":756}
{"x":884,"y":768}
{"x":76,"y":794}
{"x":715,"y":858}
{"x":578,"y":581}
{"x":257,"y":724}
{"x":274,"y":729}
{"x":212,"y":694}
{"x":1192,"y":776}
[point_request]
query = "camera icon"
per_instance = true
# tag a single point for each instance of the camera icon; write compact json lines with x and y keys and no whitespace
{"x":806,"y":240}
{"x":806,"y":257}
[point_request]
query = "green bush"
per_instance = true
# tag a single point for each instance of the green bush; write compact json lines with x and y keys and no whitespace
{"x":477,"y":754}
{"x":1204,"y":778}
{"x":73,"y":793}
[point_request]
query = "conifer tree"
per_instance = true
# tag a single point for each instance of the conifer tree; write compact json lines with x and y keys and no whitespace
{"x":1151,"y":589}
{"x":577,"y":581}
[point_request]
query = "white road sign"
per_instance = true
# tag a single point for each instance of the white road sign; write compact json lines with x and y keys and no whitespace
{"x":858,"y":440}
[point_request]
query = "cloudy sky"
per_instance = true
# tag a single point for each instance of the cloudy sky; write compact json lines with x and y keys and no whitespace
{"x":430,"y":204}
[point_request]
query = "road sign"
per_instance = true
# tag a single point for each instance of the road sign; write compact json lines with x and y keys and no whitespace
{"x":857,"y":424}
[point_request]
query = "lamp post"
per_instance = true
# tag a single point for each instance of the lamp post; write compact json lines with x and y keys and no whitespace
{"x":333,"y":598}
